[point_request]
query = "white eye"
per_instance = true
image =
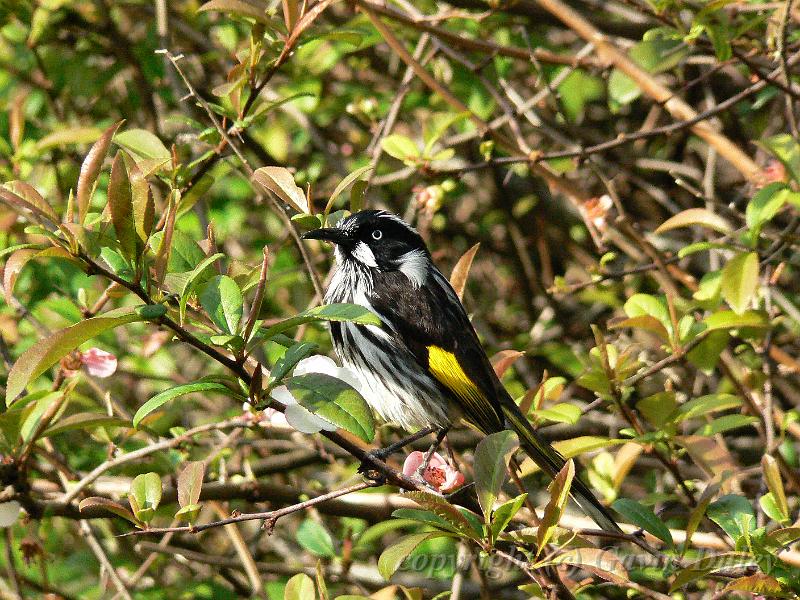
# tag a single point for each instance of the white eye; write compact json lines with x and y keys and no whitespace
{"x":377,"y":234}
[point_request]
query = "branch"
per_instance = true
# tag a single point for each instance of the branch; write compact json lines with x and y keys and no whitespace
{"x":269,"y":517}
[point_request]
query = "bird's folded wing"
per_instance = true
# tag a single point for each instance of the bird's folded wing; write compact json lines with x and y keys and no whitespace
{"x":431,"y":322}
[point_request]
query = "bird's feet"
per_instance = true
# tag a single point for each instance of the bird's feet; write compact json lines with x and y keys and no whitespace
{"x":381,"y":454}
{"x":426,"y":459}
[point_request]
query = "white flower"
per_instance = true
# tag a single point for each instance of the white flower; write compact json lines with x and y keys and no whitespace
{"x":297,"y":415}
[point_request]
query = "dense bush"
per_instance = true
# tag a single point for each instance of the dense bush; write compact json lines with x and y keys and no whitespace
{"x":614,"y":186}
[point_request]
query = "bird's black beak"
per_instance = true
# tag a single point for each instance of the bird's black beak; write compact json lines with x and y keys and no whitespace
{"x":328,"y":234}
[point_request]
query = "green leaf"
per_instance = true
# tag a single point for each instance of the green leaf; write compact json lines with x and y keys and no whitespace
{"x":695,"y":216}
{"x":426,"y":517}
{"x":656,"y":307}
{"x":391,"y":558}
{"x":704,"y":405}
{"x":145,"y":495}
{"x":120,"y":204}
{"x":184,"y":253}
{"x":85,"y":421}
{"x":734,"y":514}
{"x":727,"y":319}
{"x":658,"y":408}
{"x":769,"y":505}
{"x":315,"y":538}
{"x":69,"y":137}
{"x":172,"y":393}
{"x":351,"y":178}
{"x":444,"y":510}
{"x":504,"y":513}
{"x":335,"y":401}
{"x":242,"y":9}
{"x":740,"y":281}
{"x":47,"y":352}
{"x":188,"y":513}
{"x":702,"y":246}
{"x":143,"y":207}
{"x":400,"y":147}
{"x":490,"y":467}
{"x":192,"y":279}
{"x":222,"y":300}
{"x":784,"y":536}
{"x":143,"y":143}
{"x":327,"y":312}
{"x":643,"y":517}
{"x":300,"y":586}
{"x":33,"y":414}
{"x":761,"y":584}
{"x":559,"y":413}
{"x":766,"y":203}
{"x":357,"y":195}
{"x":726,"y":423}
{"x":584,"y":443}
{"x":646,"y":322}
{"x":559,"y":494}
{"x":772,"y":476}
{"x":293,"y":355}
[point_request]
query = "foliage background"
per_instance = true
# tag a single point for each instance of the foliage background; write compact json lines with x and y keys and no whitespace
{"x":630,"y":169}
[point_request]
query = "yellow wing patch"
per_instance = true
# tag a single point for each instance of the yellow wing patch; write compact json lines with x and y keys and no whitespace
{"x":444,"y":366}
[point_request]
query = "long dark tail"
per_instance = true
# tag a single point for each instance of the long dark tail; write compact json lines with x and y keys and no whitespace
{"x":551,"y":462}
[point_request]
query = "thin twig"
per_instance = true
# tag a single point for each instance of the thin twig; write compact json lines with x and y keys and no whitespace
{"x":269,"y":517}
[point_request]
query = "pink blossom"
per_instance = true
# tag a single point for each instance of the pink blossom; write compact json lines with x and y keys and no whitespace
{"x":438,"y":473}
{"x":99,"y":363}
{"x":774,"y":171}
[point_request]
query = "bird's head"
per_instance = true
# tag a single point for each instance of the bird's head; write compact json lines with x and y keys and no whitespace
{"x":378,"y":240}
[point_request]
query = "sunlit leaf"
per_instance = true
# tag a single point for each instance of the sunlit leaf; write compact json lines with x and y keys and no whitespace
{"x":353,"y":313}
{"x":315,"y":538}
{"x":160,"y":399}
{"x":490,"y":467}
{"x":335,"y":401}
{"x":740,"y":281}
{"x":222,"y":300}
{"x":280,"y":182}
{"x":143,"y":143}
{"x":695,"y":216}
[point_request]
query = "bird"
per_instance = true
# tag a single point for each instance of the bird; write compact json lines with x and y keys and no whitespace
{"x":424,"y":366}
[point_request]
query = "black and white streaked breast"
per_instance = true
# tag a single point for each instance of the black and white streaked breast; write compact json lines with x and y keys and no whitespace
{"x":396,"y":386}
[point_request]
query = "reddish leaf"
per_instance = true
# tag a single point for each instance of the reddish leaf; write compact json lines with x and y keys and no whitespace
{"x":190,"y":482}
{"x":458,"y":278}
{"x":90,"y":169}
{"x":504,"y":359}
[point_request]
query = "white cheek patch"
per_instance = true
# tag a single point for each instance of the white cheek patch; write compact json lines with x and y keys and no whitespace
{"x":363,"y":254}
{"x":414,"y":265}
